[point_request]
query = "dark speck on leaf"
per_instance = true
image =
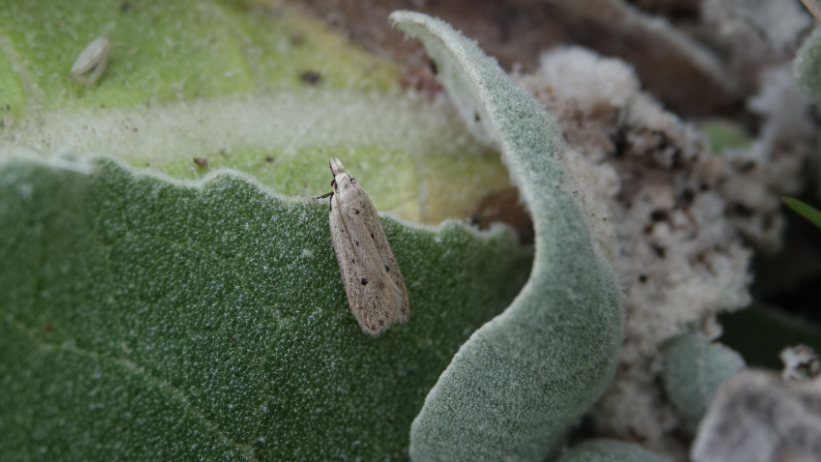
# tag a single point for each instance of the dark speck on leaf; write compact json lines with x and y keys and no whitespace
{"x":311,"y":77}
{"x":477,"y":117}
{"x":201,"y":161}
{"x":269,"y":159}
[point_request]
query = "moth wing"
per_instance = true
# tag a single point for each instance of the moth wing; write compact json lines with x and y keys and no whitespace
{"x":383,"y":247}
{"x":373,"y":296}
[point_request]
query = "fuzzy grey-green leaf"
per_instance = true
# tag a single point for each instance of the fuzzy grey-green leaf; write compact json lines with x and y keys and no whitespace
{"x":145,"y":319}
{"x":693,"y":369}
{"x":604,"y":450}
{"x":519,"y":382}
{"x":807,"y":65}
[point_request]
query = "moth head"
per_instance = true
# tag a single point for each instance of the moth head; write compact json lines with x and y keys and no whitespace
{"x":342,"y":180}
{"x":336,"y":166}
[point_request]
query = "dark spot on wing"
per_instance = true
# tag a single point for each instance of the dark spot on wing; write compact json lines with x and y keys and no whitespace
{"x":364,"y":281}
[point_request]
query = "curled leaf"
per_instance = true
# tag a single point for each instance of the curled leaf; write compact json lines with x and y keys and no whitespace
{"x":521,"y":380}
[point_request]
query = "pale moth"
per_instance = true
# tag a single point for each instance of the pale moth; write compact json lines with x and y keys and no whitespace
{"x":374,"y":284}
{"x":92,"y":61}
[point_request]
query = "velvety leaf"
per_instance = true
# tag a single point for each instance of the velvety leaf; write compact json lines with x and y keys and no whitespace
{"x":602,"y":450}
{"x":145,"y":319}
{"x":693,"y":369}
{"x":519,"y":382}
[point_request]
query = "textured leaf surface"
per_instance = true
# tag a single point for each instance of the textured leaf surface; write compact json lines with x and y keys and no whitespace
{"x":807,"y":65}
{"x":144,"y":319}
{"x":610,"y":451}
{"x":693,"y":369}
{"x":522,"y":379}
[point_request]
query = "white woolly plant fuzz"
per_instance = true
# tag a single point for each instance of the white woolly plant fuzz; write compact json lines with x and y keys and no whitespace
{"x":520,"y":381}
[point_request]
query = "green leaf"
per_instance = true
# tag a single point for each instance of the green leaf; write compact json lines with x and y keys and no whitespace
{"x":603,"y":450}
{"x":524,"y":378}
{"x":807,"y":65}
{"x":782,"y":330}
{"x":723,"y":135}
{"x":171,"y":51}
{"x":693,"y":369}
{"x":805,"y":210}
{"x":224,"y":83}
{"x":145,"y":319}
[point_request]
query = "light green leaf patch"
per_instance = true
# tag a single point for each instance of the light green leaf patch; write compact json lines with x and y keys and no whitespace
{"x":171,"y":51}
{"x":144,"y":319}
{"x":226,"y":83}
{"x":723,"y":135}
{"x":519,"y":382}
